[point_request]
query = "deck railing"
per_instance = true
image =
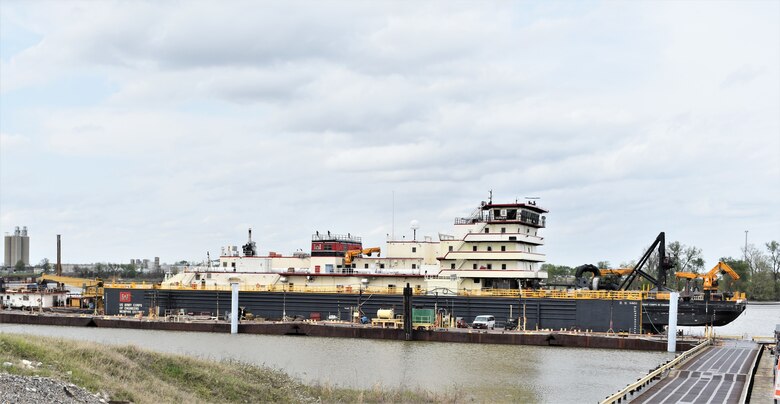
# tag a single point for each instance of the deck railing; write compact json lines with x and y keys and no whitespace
{"x":355,"y":289}
{"x":622,"y":395}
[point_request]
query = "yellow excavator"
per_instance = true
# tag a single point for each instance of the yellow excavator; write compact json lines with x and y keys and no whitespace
{"x":91,"y":290}
{"x":710,"y":279}
{"x":352,"y":254}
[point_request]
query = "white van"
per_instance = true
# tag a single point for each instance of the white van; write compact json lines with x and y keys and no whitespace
{"x":484,"y":321}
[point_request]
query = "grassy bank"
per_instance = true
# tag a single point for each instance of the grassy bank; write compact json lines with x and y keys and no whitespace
{"x":128,"y":373}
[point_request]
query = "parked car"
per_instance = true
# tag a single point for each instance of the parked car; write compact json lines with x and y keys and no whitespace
{"x":486,"y":322}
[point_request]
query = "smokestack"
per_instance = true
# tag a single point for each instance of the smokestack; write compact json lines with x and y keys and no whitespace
{"x":250,"y":234}
{"x":59,"y":256}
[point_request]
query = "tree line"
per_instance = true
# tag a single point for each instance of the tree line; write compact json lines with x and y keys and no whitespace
{"x":758,"y":270}
{"x":107,"y":270}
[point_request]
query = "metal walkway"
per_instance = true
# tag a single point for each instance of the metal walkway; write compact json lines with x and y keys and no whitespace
{"x":720,"y":374}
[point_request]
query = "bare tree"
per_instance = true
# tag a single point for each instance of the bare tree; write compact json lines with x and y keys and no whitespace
{"x":685,"y":258}
{"x":773,"y":247}
{"x":761,"y":275}
{"x":755,"y":259}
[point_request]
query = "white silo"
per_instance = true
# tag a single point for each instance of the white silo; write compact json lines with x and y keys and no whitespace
{"x":25,"y":247}
{"x":7,"y":250}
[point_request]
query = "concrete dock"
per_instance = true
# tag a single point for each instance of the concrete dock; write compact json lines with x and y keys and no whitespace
{"x":719,"y":374}
{"x":763,"y":391}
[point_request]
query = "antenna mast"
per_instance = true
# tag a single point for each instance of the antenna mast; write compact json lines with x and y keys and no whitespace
{"x":392,"y":231}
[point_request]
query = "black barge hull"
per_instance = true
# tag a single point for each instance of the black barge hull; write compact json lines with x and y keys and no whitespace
{"x":632,"y":316}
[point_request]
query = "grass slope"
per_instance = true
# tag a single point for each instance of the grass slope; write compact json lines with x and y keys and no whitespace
{"x":128,"y":373}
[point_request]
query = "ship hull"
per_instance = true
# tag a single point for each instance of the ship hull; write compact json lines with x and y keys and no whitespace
{"x":601,"y":315}
{"x":690,"y":313}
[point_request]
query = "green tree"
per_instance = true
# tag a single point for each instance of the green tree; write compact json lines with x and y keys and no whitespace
{"x":761,"y":288}
{"x":557,"y":273}
{"x":19,"y":267}
{"x":129,"y":271}
{"x":741,"y":268}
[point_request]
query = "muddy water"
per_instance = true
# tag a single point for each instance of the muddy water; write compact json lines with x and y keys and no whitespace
{"x":485,"y":372}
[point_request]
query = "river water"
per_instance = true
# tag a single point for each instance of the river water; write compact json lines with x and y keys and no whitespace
{"x":483,"y":371}
{"x":759,"y":319}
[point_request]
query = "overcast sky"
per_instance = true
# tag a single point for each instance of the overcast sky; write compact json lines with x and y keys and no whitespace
{"x":166,"y":129}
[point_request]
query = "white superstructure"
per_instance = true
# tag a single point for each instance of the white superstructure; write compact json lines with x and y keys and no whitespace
{"x":496,"y":247}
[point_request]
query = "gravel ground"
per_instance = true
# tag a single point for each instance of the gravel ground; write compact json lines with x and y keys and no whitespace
{"x":33,"y":389}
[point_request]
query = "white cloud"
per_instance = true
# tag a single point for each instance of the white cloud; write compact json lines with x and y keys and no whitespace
{"x":11,"y":141}
{"x":627,"y":119}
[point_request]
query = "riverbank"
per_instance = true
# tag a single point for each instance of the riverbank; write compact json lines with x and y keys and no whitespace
{"x":129,"y":373}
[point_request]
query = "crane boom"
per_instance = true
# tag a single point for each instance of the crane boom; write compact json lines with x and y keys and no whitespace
{"x":351,"y":254}
{"x":710,"y":278}
{"x":71,"y":281}
{"x":91,"y":289}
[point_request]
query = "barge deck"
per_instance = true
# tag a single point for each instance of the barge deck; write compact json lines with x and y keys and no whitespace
{"x":351,"y":330}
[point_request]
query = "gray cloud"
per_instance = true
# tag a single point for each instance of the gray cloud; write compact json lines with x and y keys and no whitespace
{"x":294,"y":117}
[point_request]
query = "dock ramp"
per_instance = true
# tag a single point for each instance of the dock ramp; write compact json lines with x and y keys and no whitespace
{"x":719,"y":374}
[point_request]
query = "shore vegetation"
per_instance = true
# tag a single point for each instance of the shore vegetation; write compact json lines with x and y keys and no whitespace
{"x":129,"y":373}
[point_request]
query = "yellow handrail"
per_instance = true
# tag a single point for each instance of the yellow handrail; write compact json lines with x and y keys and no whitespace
{"x":348,"y":289}
{"x":621,"y":395}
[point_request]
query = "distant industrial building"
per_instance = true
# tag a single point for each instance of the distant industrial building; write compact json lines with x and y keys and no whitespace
{"x":146,"y":265}
{"x":17,"y":247}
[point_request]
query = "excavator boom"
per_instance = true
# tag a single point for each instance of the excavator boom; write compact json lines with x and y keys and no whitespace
{"x":351,"y":254}
{"x":724,"y":268}
{"x":710,"y":279}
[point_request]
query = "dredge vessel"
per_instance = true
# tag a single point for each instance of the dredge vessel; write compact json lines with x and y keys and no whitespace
{"x":490,"y":264}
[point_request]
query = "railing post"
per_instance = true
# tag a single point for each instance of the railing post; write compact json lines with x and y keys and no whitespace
{"x":671,"y":330}
{"x":234,"y":306}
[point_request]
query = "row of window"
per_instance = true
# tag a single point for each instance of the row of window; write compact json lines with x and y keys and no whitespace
{"x":490,"y":248}
{"x":503,"y":230}
{"x":474,"y":266}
